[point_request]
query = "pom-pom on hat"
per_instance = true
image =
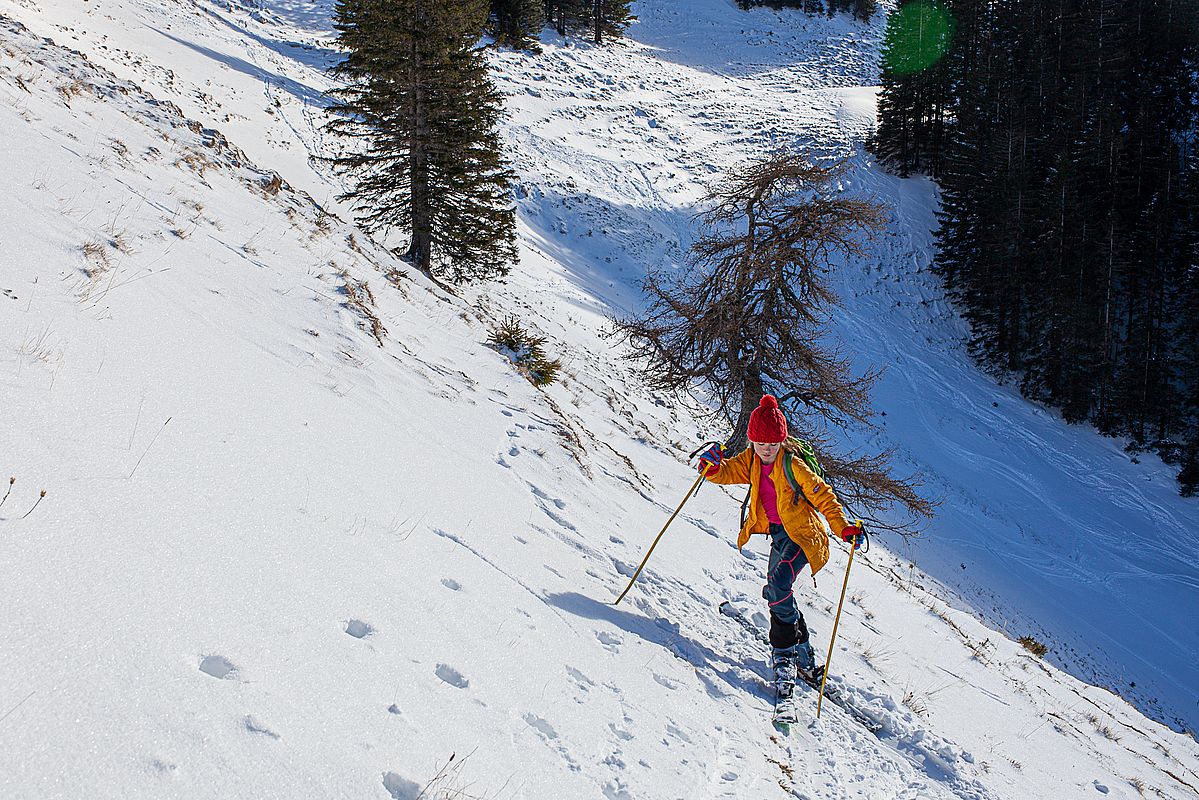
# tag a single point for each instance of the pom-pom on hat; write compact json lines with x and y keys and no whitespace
{"x":766,"y":422}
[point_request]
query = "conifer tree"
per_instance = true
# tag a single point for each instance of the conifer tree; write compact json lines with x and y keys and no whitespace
{"x":749,"y":316}
{"x":1068,"y":220}
{"x":913,"y":95}
{"x":417,"y":117}
{"x":518,"y":23}
{"x":863,"y":10}
{"x":610,"y":18}
{"x":568,"y":16}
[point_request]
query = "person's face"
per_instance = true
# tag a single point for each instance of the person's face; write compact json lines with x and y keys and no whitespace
{"x":767,"y":451}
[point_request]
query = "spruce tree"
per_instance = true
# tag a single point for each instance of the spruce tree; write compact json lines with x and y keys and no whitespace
{"x":863,"y":10}
{"x":610,"y":18}
{"x":418,"y":117}
{"x":569,"y":16}
{"x":1182,"y":313}
{"x":518,"y":23}
{"x":914,"y":92}
{"x":1068,"y":224}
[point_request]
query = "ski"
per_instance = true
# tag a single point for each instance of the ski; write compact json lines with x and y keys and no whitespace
{"x":786,"y":711}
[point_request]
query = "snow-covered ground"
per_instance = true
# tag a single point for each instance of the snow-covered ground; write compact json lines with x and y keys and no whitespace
{"x":304,"y":535}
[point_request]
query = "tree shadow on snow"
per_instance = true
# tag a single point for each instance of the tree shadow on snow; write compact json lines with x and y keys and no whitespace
{"x":306,"y":94}
{"x":604,"y":249}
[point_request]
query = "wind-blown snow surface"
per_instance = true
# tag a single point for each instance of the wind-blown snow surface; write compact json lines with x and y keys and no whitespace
{"x":281,"y":557}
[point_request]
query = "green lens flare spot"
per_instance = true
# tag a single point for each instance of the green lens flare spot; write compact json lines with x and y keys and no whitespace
{"x":918,"y":34}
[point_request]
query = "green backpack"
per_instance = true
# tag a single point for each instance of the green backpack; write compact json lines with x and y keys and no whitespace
{"x":809,"y":458}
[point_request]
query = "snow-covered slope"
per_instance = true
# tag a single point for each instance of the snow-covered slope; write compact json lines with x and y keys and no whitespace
{"x":304,"y":535}
{"x":1046,"y":529}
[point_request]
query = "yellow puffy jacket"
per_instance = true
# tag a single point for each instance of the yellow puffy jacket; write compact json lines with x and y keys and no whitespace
{"x":803,"y":524}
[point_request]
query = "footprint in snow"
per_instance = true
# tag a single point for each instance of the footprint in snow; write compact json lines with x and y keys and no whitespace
{"x":610,"y":641}
{"x":677,"y":732}
{"x":623,"y":568}
{"x":359,"y":629}
{"x":563,"y":523}
{"x":218,"y":667}
{"x":669,"y":683}
{"x":451,"y":676}
{"x":582,"y":680}
{"x":615,"y":790}
{"x":621,"y":733}
{"x":401,"y":788}
{"x":561,"y":504}
{"x":452,"y":584}
{"x":541,"y":726}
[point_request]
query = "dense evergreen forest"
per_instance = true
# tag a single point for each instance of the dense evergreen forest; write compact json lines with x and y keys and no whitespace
{"x":518,"y":23}
{"x":1063,"y":136}
{"x":860,"y":9}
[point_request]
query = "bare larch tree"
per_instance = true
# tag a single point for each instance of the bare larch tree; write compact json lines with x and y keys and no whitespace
{"x":748,"y":316}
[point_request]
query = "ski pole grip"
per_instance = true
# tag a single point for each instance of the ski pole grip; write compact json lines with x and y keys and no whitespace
{"x":704,"y":447}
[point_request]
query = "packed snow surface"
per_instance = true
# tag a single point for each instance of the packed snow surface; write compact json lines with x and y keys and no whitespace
{"x":305,"y":535}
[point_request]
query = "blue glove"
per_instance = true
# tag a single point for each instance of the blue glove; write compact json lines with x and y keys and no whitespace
{"x":711,"y":458}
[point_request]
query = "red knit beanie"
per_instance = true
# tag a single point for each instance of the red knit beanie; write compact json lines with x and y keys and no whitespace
{"x":766,"y":422}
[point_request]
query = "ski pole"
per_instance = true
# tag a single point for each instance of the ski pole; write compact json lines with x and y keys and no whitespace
{"x":836,"y":622}
{"x":690,"y":492}
{"x":686,"y":497}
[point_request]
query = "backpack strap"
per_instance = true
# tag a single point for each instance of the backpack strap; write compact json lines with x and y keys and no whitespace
{"x":795,"y":487}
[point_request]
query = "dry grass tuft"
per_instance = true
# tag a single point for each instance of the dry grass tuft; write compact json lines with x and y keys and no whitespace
{"x":361,"y":299}
{"x":71,"y":90}
{"x":979,"y":650}
{"x":196,"y":161}
{"x":914,"y":702}
{"x":96,"y":256}
{"x":324,"y":224}
{"x":1104,"y":730}
{"x":1033,"y":646}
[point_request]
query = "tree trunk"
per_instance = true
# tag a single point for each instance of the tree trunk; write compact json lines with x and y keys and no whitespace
{"x":420,"y":247}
